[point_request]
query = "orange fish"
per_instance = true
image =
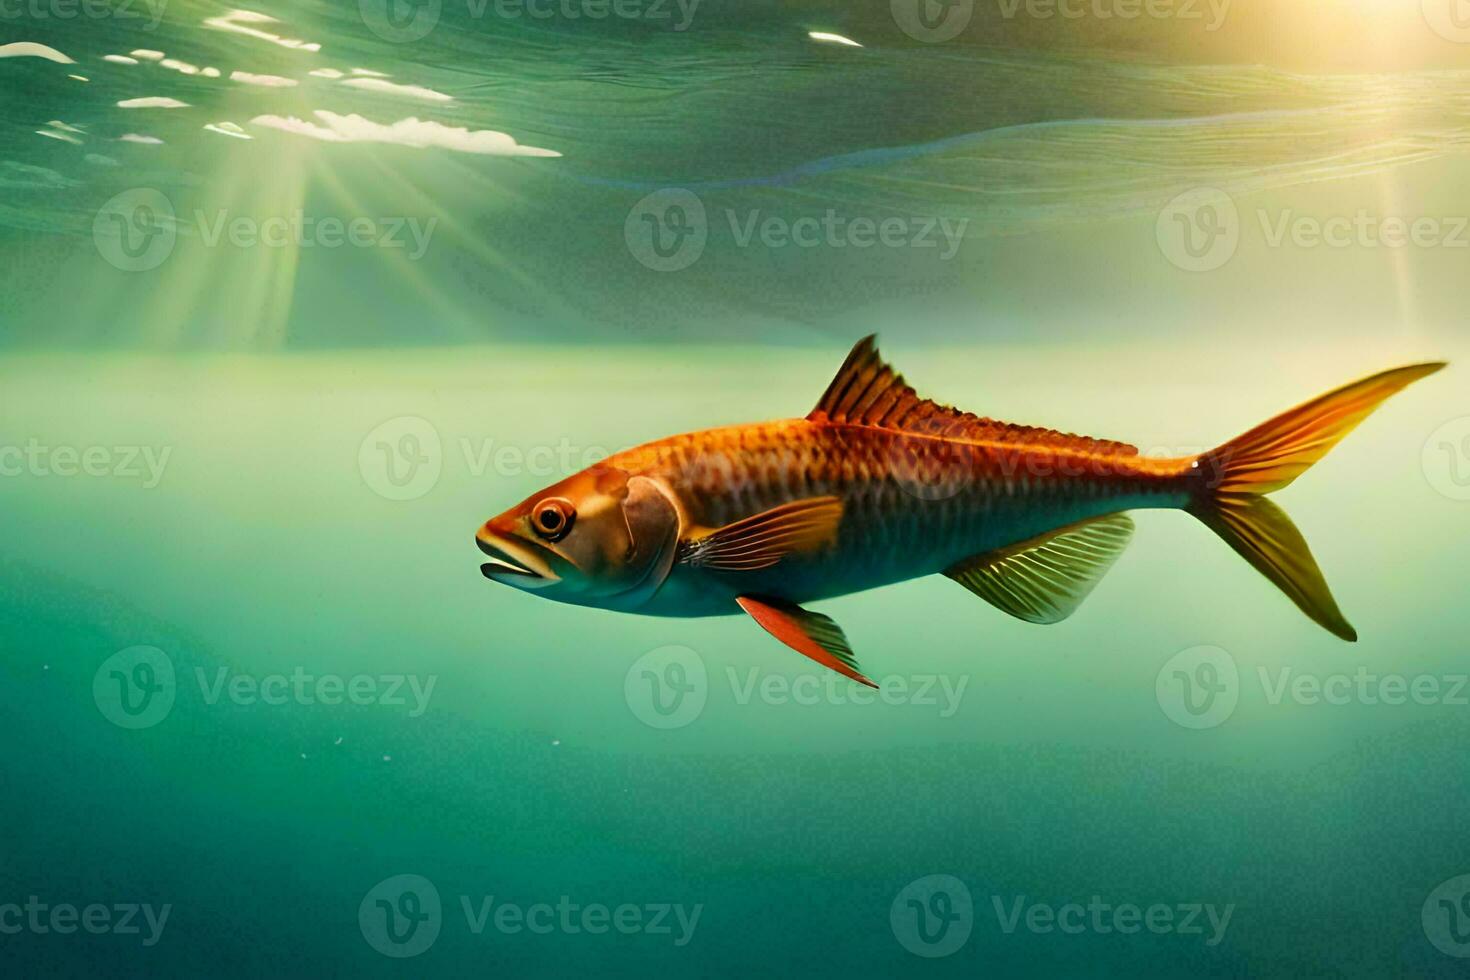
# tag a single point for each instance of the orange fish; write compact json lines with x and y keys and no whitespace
{"x":878,"y":485}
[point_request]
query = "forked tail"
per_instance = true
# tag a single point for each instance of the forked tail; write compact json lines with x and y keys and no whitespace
{"x":1271,"y":456}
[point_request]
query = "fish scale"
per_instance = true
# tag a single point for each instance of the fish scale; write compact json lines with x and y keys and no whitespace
{"x":912,"y":504}
{"x":878,"y":485}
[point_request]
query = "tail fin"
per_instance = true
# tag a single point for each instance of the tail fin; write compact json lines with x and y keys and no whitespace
{"x":1271,"y":456}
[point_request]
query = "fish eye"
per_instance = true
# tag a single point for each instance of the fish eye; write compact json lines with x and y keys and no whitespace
{"x":552,"y":518}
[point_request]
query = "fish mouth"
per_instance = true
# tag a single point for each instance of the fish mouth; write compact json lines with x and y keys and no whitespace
{"x":512,"y":563}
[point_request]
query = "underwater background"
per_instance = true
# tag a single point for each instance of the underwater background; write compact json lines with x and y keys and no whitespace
{"x":293,"y":297}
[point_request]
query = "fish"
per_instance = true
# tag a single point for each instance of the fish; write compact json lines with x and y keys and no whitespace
{"x":878,"y":485}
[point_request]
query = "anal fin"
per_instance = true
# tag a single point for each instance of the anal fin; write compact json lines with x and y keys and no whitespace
{"x":1045,"y":579}
{"x":809,"y":634}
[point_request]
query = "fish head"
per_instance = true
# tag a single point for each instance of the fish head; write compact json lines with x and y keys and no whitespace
{"x":601,"y":537}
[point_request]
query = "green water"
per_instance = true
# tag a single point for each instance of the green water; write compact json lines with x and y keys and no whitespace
{"x":255,"y":677}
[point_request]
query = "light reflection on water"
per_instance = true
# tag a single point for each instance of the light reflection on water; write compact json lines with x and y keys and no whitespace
{"x":325,"y":317}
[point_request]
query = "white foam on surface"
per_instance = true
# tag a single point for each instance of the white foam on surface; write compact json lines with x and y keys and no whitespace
{"x":421,"y":133}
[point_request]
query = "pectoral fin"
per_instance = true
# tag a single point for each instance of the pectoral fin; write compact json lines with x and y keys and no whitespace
{"x":1045,"y":579}
{"x":763,"y":539}
{"x":809,"y":634}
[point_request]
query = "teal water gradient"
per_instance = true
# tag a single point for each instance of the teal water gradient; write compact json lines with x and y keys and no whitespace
{"x":255,"y":678}
{"x":1041,"y":762}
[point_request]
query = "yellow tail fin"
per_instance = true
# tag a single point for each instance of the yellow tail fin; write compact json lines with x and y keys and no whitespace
{"x":1271,"y":456}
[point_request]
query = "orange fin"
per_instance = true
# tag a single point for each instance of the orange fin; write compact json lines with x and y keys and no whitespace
{"x":763,"y":539}
{"x":1275,"y":453}
{"x":1045,"y":579}
{"x":809,"y":634}
{"x":1262,"y":534}
{"x":1271,"y":456}
{"x":868,"y":391}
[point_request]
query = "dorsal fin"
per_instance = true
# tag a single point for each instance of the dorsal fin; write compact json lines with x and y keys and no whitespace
{"x":868,"y":391}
